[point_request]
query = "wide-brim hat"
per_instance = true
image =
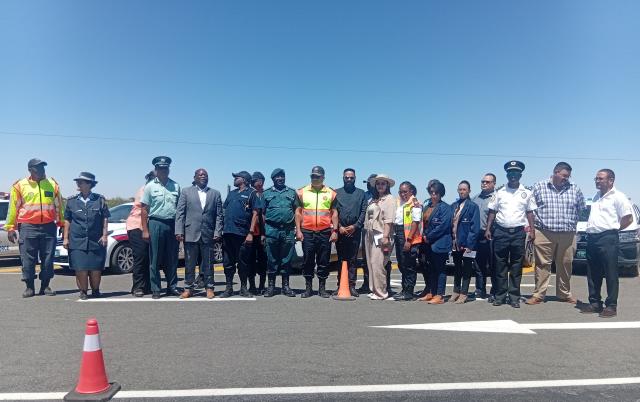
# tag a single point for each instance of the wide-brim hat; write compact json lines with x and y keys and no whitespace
{"x":86,"y":176}
{"x":382,"y":176}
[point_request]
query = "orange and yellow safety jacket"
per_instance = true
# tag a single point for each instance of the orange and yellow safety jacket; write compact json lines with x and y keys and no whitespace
{"x":316,"y":207}
{"x":407,"y":220}
{"x":35,"y":202}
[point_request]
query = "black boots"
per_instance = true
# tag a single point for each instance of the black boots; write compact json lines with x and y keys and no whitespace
{"x":286,"y":290}
{"x":271,"y":289}
{"x":29,"y":291}
{"x":308,"y":291}
{"x":322,"y":292}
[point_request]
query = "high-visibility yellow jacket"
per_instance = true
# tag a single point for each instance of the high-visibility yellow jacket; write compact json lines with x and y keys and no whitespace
{"x":407,"y":220}
{"x":316,"y":207}
{"x":35,"y":202}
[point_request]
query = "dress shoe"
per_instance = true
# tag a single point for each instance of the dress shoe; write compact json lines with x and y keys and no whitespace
{"x":592,"y":308}
{"x":608,"y":312}
{"x":244,"y":292}
{"x":155,"y":295}
{"x":138,"y":293}
{"x":186,"y":294}
{"x":454,"y":297}
{"x":570,"y":300}
{"x":28,"y":292}
{"x":95,"y":293}
{"x":426,"y":297}
{"x":515,"y":305}
{"x":173,"y":292}
{"x":462,"y":299}
{"x":534,"y":300}
{"x":210,"y":293}
{"x":364,"y":289}
{"x":497,"y":303}
{"x":46,"y":291}
{"x":228,"y":292}
{"x":83,"y":295}
{"x":353,"y":291}
{"x":437,"y":299}
{"x":404,"y":296}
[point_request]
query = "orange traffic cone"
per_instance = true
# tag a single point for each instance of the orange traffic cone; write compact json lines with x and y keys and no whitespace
{"x":343,"y":292}
{"x":93,"y":384}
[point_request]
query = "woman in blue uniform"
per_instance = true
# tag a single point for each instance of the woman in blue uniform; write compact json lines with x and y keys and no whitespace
{"x":85,"y":234}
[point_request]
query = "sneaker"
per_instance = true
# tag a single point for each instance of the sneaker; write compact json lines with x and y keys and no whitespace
{"x":28,"y":292}
{"x":83,"y":295}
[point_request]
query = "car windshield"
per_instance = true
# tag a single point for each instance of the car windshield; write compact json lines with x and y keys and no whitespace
{"x":120,"y":213}
{"x":4,"y":208}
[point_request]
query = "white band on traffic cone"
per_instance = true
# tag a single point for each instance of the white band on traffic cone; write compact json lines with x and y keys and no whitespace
{"x":92,"y":343}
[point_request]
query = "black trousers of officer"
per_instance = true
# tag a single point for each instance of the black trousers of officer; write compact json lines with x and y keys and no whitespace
{"x":140,"y":273}
{"x":347,"y":248}
{"x":407,"y":260}
{"x":236,"y":253}
{"x":508,"y":246}
{"x":317,"y":250}
{"x":602,"y":261}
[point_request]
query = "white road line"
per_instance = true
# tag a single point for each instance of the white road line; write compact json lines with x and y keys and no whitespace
{"x":334,"y":389}
{"x":167,"y":299}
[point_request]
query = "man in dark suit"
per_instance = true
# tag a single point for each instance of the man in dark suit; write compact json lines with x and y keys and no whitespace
{"x":199,"y":224}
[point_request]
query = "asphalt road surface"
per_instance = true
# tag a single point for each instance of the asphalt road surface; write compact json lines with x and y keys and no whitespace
{"x":260,"y":349}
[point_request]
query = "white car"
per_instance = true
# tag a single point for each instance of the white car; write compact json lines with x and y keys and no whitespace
{"x":119,"y":253}
{"x":7,"y":249}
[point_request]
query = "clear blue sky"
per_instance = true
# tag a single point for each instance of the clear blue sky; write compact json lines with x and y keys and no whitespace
{"x":542,"y":81}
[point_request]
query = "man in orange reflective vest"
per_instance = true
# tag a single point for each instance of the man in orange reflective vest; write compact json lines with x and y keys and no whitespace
{"x":35,"y":210}
{"x":316,"y":228}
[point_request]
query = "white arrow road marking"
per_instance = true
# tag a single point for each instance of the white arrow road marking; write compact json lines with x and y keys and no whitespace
{"x":512,"y":327}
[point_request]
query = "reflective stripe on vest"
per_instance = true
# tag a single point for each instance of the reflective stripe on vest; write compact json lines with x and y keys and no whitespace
{"x":35,"y":203}
{"x":316,"y":207}
{"x":407,"y":220}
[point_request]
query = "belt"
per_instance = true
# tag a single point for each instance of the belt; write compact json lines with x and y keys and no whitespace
{"x":511,"y":230}
{"x":605,"y":233}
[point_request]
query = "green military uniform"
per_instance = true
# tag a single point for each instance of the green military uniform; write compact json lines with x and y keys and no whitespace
{"x":279,"y":211}
{"x":162,"y":201}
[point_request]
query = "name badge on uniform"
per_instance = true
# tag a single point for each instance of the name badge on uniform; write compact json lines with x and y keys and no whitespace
{"x":48,"y":193}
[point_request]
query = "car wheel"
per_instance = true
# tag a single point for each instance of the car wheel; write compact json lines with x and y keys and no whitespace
{"x":121,"y":259}
{"x":217,"y":252}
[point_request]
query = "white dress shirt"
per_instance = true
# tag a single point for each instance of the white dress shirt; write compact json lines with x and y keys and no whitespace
{"x":202,"y":193}
{"x":511,"y":206}
{"x":607,"y":210}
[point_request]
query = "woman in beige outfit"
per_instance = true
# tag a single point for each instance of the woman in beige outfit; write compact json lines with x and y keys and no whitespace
{"x":377,"y":234}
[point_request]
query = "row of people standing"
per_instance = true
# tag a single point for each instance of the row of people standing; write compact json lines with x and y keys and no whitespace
{"x":258,"y":226}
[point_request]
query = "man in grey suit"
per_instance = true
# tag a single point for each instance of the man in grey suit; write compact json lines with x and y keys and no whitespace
{"x":199,"y":224}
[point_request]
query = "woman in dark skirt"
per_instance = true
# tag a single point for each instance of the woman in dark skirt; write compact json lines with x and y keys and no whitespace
{"x":85,"y":234}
